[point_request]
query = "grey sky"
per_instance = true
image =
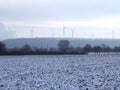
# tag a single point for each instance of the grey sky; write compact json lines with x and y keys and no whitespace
{"x":58,"y":9}
{"x":100,"y":15}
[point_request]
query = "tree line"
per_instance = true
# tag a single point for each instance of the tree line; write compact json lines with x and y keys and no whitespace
{"x":64,"y":47}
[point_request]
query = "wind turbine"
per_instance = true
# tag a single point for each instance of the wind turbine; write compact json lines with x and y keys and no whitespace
{"x":63,"y":31}
{"x":32,"y":32}
{"x":112,"y":34}
{"x":72,"y":33}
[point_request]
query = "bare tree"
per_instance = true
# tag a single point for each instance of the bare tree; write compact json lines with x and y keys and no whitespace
{"x":97,"y":49}
{"x":2,"y":47}
{"x":87,"y":48}
{"x":26,"y":48}
{"x":63,"y":45}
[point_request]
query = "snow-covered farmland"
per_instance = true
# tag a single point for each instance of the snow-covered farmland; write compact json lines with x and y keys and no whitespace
{"x":87,"y":72}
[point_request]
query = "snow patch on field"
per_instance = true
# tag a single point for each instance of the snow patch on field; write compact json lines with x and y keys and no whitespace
{"x":89,"y":72}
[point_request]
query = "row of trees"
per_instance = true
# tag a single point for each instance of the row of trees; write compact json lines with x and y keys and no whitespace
{"x":64,"y":47}
{"x":2,"y":48}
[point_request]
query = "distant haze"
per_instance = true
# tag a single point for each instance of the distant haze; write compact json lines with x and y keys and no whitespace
{"x":52,"y":42}
{"x":87,"y":18}
{"x":5,"y":33}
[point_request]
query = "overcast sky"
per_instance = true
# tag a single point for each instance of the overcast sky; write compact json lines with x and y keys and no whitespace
{"x":85,"y":17}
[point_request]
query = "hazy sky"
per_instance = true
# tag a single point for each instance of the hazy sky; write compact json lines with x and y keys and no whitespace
{"x":88,"y":18}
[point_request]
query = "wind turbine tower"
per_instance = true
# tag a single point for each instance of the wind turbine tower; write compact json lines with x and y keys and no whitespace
{"x":63,"y":31}
{"x":72,"y":33}
{"x":32,"y":32}
{"x":112,"y":34}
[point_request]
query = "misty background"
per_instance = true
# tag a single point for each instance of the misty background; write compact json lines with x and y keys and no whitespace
{"x":87,"y":18}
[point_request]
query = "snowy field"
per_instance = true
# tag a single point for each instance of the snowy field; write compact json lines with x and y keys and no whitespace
{"x":91,"y":72}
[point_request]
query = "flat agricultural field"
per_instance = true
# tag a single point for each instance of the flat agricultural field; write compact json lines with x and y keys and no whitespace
{"x":60,"y":72}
